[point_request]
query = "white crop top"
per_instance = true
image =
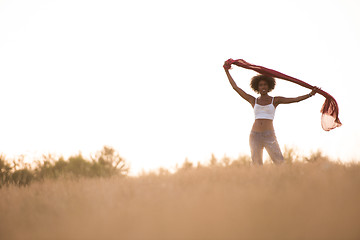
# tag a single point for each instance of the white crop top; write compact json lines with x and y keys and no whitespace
{"x":264,"y":112}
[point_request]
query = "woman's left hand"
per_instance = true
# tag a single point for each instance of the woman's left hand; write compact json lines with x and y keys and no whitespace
{"x":314,"y":91}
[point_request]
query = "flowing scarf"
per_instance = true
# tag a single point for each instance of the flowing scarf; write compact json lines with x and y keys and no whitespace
{"x":329,"y":110}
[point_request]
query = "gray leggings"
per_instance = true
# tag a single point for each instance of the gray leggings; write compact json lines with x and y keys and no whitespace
{"x":259,"y":141}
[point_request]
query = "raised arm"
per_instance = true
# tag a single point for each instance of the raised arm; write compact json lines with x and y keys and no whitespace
{"x":241,"y":92}
{"x":284,"y":100}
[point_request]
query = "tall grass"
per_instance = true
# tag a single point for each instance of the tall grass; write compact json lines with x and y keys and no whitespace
{"x":313,"y":199}
{"x":105,"y":163}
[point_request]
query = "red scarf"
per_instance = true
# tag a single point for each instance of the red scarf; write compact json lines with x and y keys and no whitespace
{"x":329,"y":110}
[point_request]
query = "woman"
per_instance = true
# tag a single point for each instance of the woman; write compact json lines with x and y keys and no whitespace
{"x":262,"y":133}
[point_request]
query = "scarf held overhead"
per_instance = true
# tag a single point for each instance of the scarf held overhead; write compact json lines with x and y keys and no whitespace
{"x":330,"y":110}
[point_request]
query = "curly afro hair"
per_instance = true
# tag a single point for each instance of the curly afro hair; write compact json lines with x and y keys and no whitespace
{"x":254,"y":84}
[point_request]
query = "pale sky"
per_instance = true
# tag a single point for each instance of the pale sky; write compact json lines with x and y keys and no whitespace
{"x":146,"y":77}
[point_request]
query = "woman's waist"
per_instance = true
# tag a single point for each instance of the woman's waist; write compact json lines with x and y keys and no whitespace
{"x":262,"y":132}
{"x":263,"y":120}
{"x":261,"y":125}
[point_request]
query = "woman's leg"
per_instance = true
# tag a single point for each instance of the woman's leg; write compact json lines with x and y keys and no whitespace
{"x":256,"y":146}
{"x":273,"y":148}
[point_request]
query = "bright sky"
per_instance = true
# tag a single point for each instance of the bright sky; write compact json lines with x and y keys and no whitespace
{"x":146,"y":77}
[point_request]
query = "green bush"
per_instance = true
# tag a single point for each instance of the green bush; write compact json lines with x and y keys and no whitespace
{"x":106,"y":163}
{"x":5,"y":171}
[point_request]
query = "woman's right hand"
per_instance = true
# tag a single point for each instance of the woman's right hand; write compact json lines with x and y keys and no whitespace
{"x":227,"y":64}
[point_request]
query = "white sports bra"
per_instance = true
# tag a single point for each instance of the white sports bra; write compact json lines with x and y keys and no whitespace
{"x":264,"y":111}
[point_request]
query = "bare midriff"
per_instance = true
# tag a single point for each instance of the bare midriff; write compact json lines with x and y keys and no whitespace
{"x":261,"y":125}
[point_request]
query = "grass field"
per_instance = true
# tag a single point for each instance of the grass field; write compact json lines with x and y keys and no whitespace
{"x":319,"y":200}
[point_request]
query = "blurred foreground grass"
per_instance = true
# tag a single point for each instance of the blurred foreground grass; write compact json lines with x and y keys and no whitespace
{"x":312,"y":199}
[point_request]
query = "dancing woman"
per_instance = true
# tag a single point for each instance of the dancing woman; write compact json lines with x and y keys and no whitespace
{"x":262,"y":133}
